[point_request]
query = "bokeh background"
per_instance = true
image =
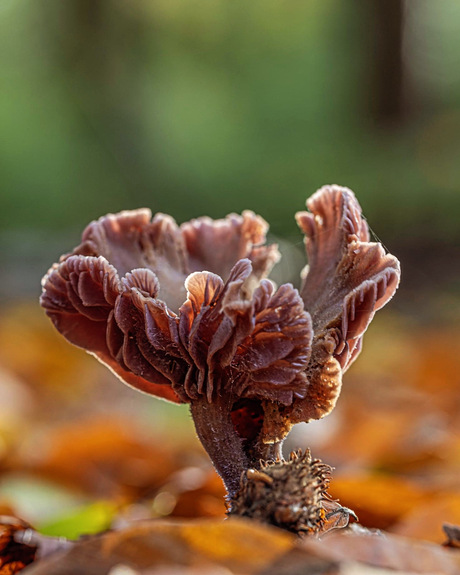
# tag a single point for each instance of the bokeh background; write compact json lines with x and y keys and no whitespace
{"x":209,"y":107}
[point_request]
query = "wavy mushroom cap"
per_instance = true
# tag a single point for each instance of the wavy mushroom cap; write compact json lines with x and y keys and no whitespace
{"x":131,"y":294}
{"x":348,"y":278}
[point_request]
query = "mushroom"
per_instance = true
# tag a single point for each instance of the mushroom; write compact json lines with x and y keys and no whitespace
{"x":186,"y":313}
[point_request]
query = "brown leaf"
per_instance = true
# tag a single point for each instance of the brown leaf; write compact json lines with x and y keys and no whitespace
{"x":238,"y":545}
{"x":14,"y":556}
{"x":387,"y":551}
{"x":204,"y":499}
{"x":453,"y":535}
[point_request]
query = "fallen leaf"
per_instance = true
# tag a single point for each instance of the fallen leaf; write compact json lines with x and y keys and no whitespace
{"x":14,"y":556}
{"x":453,"y":535}
{"x":239,"y":545}
{"x":104,"y":457}
{"x":385,"y":550}
{"x":378,"y":500}
{"x":30,"y":349}
{"x":425,"y":520}
{"x":93,"y":518}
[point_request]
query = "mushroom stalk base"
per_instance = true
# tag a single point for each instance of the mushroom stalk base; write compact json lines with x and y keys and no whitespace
{"x":231,"y":454}
{"x":214,"y":427}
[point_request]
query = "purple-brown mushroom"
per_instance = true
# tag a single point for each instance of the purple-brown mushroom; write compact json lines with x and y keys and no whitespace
{"x":186,"y":313}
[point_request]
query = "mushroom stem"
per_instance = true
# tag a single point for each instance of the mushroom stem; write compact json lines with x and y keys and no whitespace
{"x":215,"y":429}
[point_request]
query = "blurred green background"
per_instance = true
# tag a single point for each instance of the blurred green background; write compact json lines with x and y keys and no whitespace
{"x":211,"y":106}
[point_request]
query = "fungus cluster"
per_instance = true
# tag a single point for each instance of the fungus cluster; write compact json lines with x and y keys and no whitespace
{"x":186,"y":313}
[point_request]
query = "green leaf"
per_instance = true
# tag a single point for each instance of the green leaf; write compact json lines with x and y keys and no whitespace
{"x":90,"y":519}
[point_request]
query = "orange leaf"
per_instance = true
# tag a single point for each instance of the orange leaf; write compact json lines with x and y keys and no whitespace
{"x":425,"y":521}
{"x":106,"y":458}
{"x":378,"y":500}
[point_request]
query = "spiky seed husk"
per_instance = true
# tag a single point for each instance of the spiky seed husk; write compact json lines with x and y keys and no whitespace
{"x":287,"y":494}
